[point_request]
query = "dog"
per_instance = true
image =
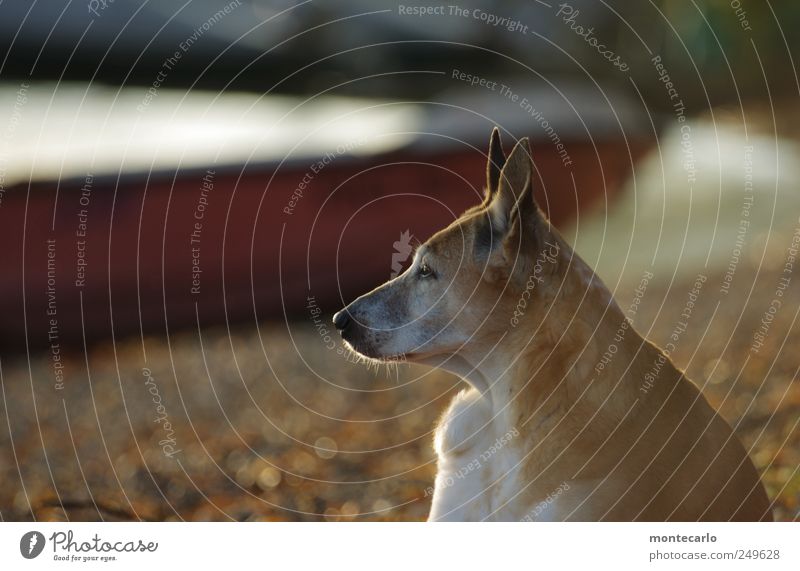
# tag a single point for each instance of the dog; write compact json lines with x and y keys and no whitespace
{"x":558,"y":422}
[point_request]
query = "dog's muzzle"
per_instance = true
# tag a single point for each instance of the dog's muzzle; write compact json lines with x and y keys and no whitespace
{"x":355,"y":333}
{"x":342,"y":321}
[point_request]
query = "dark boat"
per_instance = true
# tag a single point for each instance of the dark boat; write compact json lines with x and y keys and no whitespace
{"x":132,"y":250}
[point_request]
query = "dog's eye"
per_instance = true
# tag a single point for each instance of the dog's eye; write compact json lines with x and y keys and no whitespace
{"x":425,"y":270}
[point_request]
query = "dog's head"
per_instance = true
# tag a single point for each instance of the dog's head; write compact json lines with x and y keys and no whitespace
{"x":470,"y":282}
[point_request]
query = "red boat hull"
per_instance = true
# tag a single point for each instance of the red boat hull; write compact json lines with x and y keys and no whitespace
{"x":142,"y":255}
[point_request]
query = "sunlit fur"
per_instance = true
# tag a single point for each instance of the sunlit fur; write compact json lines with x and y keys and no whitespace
{"x":584,"y":444}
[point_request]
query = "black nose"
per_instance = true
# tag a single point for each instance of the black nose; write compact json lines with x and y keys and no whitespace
{"x":341,"y":320}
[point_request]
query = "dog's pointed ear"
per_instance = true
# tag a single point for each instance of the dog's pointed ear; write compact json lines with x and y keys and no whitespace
{"x":513,"y":206}
{"x":495,"y":162}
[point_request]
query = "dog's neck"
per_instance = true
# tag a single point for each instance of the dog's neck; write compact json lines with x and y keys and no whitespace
{"x":547,"y":367}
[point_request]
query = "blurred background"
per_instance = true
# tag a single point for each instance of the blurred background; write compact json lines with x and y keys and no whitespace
{"x":190,"y":190}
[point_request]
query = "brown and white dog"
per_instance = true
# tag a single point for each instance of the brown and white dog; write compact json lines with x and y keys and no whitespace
{"x":555,"y":425}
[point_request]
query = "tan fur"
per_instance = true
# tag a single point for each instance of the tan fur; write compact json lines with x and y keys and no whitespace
{"x":626,"y":453}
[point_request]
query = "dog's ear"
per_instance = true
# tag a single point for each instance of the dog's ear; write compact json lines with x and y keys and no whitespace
{"x":512,"y":205}
{"x":495,"y":162}
{"x":513,"y":213}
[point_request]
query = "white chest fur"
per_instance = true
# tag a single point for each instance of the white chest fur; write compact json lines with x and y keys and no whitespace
{"x":478,"y":463}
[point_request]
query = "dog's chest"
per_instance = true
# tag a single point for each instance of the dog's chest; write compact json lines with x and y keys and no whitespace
{"x":478,"y":463}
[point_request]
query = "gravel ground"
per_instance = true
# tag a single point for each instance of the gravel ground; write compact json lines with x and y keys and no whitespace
{"x":271,"y":424}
